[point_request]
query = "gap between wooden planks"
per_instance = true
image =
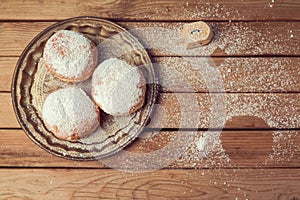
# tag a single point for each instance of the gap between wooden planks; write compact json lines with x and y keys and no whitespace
{"x":163,"y":184}
{"x":244,"y":149}
{"x":188,"y":110}
{"x":151,"y":10}
{"x":177,"y":74}
{"x":231,"y":39}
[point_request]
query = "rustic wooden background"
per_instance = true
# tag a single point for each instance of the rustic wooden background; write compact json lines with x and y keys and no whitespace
{"x":257,"y":52}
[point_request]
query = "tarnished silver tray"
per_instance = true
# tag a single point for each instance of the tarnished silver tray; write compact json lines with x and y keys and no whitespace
{"x":32,"y":83}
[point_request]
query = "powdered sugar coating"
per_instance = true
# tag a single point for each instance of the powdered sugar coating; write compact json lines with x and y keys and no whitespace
{"x":117,"y":87}
{"x":70,"y":114}
{"x":70,"y":56}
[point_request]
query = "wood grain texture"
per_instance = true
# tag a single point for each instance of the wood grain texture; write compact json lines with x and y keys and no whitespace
{"x":164,"y":184}
{"x":238,"y":149}
{"x":6,"y":111}
{"x":195,"y":110}
{"x":151,"y":10}
{"x":178,"y":74}
{"x":7,"y":66}
{"x":231,"y":39}
{"x":189,"y":74}
{"x":256,"y":50}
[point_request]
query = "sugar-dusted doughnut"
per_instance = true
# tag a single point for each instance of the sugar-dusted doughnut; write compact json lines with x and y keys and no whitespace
{"x":118,"y":88}
{"x":70,"y":114}
{"x":70,"y":56}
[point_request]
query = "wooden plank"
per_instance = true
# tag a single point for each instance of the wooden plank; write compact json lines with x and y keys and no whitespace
{"x":7,"y":66}
{"x":195,"y":110}
{"x":231,"y":38}
{"x":163,"y":184}
{"x":177,"y":74}
{"x":239,"y":110}
{"x":151,"y":10}
{"x":232,"y":149}
{"x":7,"y":116}
{"x":18,"y":35}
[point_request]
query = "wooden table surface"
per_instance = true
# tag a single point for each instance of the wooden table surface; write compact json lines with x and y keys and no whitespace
{"x":256,"y":50}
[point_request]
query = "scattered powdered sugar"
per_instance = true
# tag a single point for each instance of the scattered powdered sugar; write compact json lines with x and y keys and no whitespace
{"x":260,"y":74}
{"x":69,"y":53}
{"x":274,"y":110}
{"x":193,"y":10}
{"x":201,"y":144}
{"x":238,"y":38}
{"x":239,"y":75}
{"x":277,"y":110}
{"x":117,"y":86}
{"x":285,"y":146}
{"x":211,"y":148}
{"x":176,"y":74}
{"x":207,"y":151}
{"x":271,"y":4}
{"x":70,"y":110}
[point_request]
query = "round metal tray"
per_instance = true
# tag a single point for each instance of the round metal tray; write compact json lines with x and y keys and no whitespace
{"x":32,"y":83}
